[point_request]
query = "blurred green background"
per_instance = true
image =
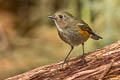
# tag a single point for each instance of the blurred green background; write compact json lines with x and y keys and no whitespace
{"x":28,"y":38}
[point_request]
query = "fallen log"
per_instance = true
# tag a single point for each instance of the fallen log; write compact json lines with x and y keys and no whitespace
{"x":102,"y":64}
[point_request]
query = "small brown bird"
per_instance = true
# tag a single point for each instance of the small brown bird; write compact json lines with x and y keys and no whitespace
{"x":73,"y":31}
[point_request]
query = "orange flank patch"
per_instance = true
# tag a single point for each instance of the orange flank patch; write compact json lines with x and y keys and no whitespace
{"x":84,"y":33}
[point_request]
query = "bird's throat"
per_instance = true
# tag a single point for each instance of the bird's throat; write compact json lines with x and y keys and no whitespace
{"x":58,"y":27}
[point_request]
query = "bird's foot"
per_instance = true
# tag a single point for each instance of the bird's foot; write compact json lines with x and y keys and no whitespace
{"x":83,"y":59}
{"x":65,"y":63}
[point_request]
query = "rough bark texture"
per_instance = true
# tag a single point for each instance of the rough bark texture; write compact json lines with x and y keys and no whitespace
{"x":102,"y":64}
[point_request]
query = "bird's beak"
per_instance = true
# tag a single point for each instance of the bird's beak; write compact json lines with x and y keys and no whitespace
{"x":51,"y":17}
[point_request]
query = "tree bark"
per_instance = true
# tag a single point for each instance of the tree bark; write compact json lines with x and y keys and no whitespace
{"x":102,"y":64}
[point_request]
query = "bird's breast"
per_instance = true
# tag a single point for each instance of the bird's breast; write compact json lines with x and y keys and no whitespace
{"x":73,"y":37}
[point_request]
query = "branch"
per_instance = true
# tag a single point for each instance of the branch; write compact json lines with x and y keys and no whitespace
{"x":102,"y":64}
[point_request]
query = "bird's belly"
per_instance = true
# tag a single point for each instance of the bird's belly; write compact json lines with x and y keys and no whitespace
{"x":73,"y":38}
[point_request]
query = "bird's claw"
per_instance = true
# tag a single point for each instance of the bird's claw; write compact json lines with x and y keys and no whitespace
{"x":83,"y":59}
{"x":65,"y":62}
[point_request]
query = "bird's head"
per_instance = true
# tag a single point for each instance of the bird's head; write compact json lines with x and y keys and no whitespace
{"x":62,"y":18}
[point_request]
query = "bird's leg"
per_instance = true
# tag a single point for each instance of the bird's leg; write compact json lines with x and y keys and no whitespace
{"x":83,"y":56}
{"x":65,"y":60}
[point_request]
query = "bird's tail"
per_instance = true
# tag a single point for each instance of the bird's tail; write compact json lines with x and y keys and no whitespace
{"x":95,"y":36}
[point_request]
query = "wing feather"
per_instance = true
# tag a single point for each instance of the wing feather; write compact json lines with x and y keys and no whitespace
{"x":85,"y":27}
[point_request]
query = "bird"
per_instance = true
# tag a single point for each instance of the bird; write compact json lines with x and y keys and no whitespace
{"x":72,"y":31}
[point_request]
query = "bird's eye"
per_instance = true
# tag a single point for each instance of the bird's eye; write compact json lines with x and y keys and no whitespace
{"x":61,"y":16}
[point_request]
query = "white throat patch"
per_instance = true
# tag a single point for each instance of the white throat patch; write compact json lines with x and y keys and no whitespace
{"x":58,"y":26}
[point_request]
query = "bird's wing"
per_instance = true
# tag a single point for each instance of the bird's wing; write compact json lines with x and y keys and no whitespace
{"x":84,"y":27}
